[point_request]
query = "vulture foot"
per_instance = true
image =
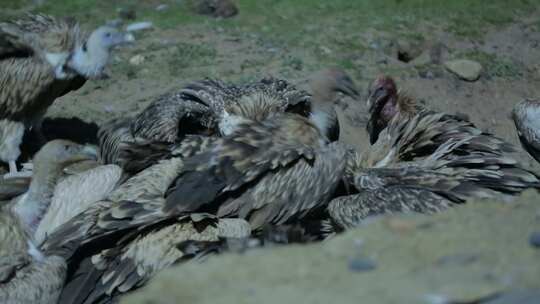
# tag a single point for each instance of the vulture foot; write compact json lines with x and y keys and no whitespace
{"x":13,"y":173}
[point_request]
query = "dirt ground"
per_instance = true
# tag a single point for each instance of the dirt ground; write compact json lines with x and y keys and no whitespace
{"x":174,"y":56}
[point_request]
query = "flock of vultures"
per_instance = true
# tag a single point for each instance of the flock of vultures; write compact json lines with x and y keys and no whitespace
{"x":212,"y":163}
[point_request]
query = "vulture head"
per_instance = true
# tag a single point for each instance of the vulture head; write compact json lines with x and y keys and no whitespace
{"x":90,"y":59}
{"x":382,"y":105}
{"x":106,"y":38}
{"x":326,"y":83}
{"x":61,"y":153}
{"x":48,"y":164}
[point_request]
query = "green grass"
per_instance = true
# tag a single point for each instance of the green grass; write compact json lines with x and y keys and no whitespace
{"x":288,"y":19}
{"x":495,"y":66}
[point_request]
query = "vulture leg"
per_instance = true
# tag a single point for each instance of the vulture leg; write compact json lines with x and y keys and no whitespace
{"x":13,"y":173}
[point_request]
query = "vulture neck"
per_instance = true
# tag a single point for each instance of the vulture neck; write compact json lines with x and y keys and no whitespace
{"x":90,"y":59}
{"x":323,"y":114}
{"x":34,"y":203}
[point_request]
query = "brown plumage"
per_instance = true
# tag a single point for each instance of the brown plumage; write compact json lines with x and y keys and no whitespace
{"x":526,"y":116}
{"x":41,"y":59}
{"x":168,"y":119}
{"x":108,"y":256}
{"x":26,"y":275}
{"x":141,"y":254}
{"x":267,"y":172}
{"x":425,"y":164}
{"x":231,"y":104}
{"x":227,"y":100}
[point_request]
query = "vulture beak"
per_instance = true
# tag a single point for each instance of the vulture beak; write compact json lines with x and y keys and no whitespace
{"x":375,"y":97}
{"x":87,"y":152}
{"x":372,"y":130}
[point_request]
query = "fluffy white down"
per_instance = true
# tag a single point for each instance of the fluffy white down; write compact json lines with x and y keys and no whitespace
{"x":11,"y":135}
{"x":34,"y":252}
{"x":321,"y":120}
{"x":229,"y":123}
{"x":75,"y":194}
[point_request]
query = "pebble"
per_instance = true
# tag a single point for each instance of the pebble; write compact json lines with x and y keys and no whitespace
{"x":534,"y":239}
{"x":361,"y":264}
{"x":137,"y":60}
{"x":465,"y":69}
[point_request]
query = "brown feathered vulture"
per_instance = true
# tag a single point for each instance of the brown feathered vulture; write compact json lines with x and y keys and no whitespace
{"x":27,"y":275}
{"x":425,"y":163}
{"x":119,"y":243}
{"x":41,"y":59}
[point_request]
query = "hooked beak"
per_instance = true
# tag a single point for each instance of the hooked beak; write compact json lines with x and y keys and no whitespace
{"x":374,"y":129}
{"x":86,"y":153}
{"x":375,"y":97}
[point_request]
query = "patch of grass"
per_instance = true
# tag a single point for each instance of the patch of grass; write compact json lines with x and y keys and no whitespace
{"x":294,"y":63}
{"x":287,"y":19}
{"x":495,"y":66}
{"x":186,"y":55}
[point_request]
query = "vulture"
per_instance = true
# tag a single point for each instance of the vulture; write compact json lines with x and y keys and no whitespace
{"x":168,"y":119}
{"x":203,"y":106}
{"x":425,"y":164}
{"x":224,"y":99}
{"x":266,"y":172}
{"x":74,"y":194}
{"x":526,"y":116}
{"x":385,"y":103}
{"x":48,"y":164}
{"x":111,"y":250}
{"x":26,"y":274}
{"x":43,"y":58}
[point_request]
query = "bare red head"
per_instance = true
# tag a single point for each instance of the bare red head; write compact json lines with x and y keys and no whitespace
{"x":382,"y":105}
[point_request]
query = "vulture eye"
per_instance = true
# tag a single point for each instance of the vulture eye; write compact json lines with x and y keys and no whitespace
{"x":108,"y":35}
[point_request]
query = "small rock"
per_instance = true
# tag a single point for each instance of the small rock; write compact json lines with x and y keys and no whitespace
{"x":137,"y":60}
{"x":465,"y":69}
{"x":534,"y":239}
{"x":162,"y":7}
{"x":139,"y":26}
{"x":126,"y":13}
{"x":422,"y":59}
{"x":361,"y":264}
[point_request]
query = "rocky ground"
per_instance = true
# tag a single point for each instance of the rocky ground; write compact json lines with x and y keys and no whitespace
{"x":476,"y":58}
